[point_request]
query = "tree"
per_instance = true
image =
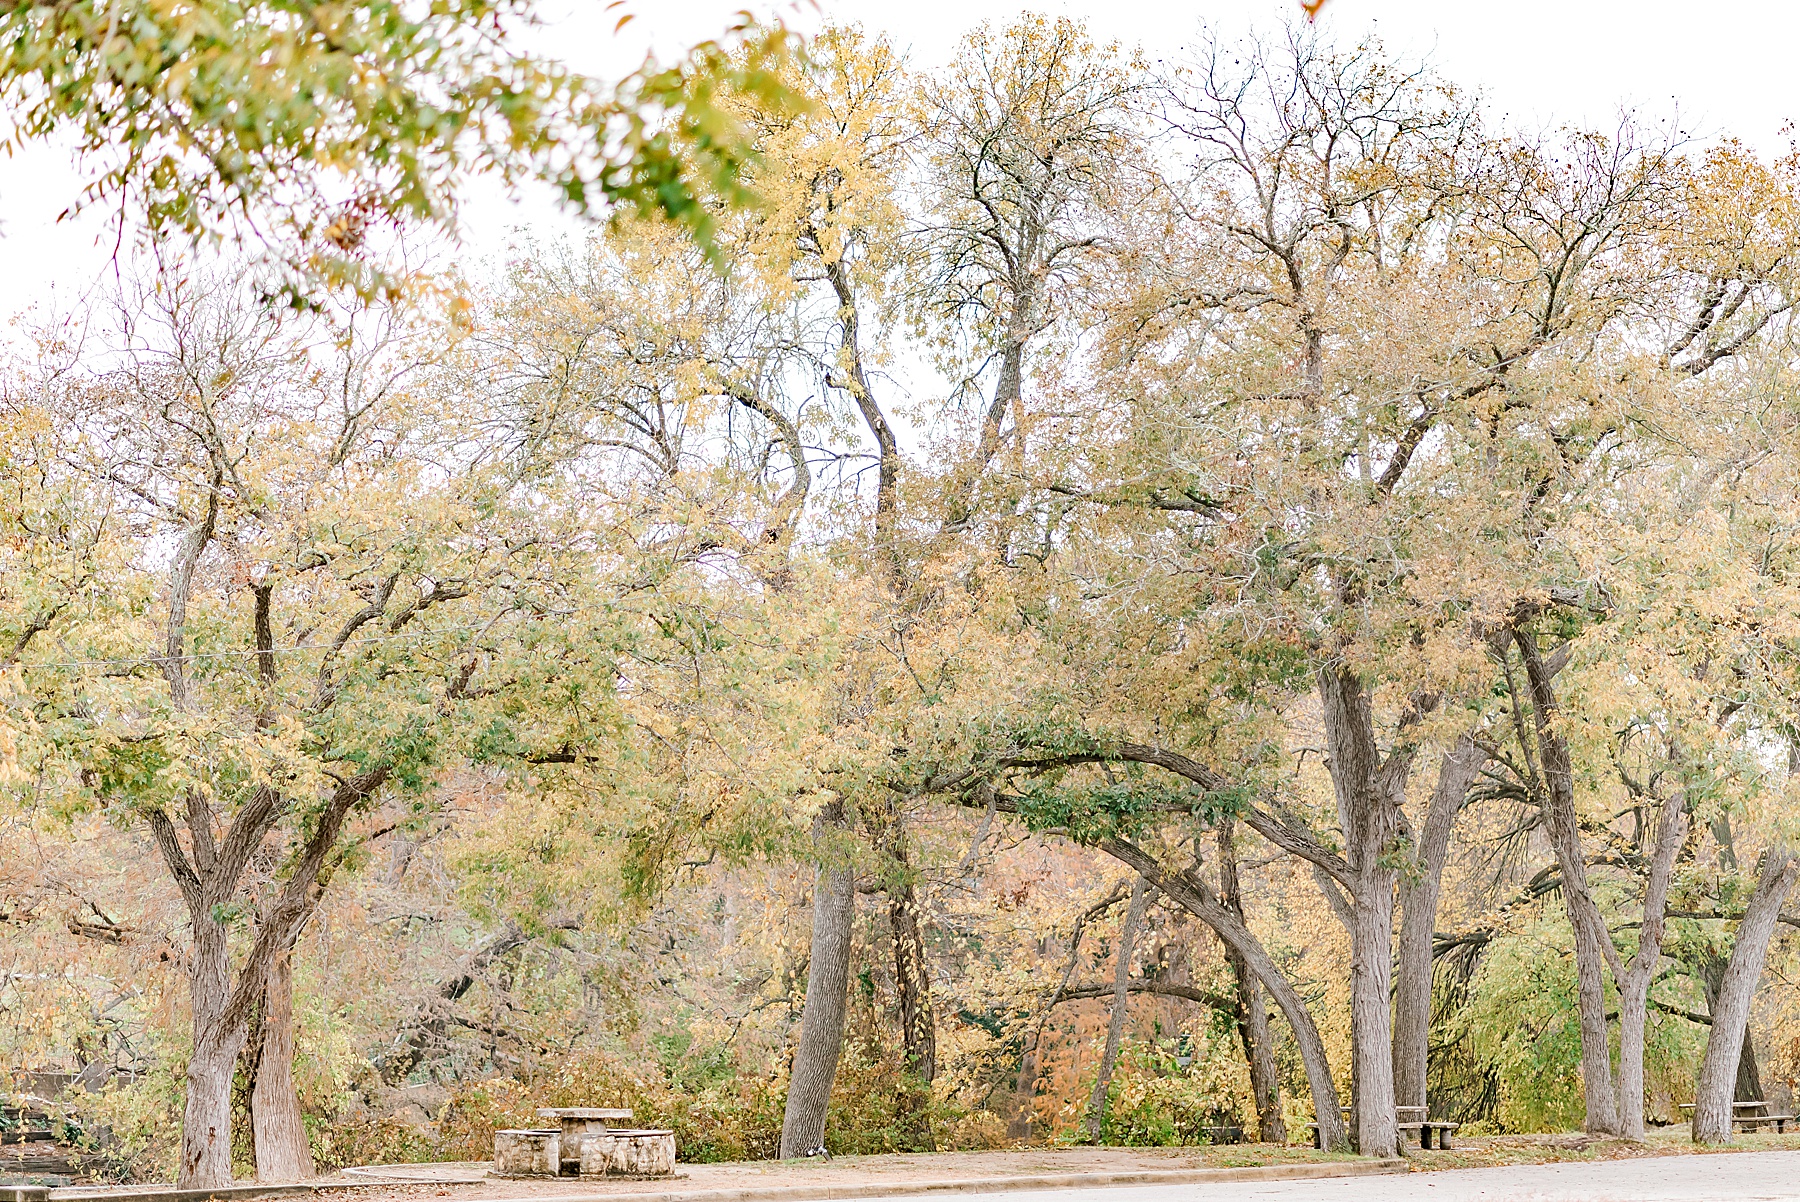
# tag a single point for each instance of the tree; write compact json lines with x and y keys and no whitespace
{"x":1028,"y":144}
{"x":307,"y":124}
{"x":307,"y":645}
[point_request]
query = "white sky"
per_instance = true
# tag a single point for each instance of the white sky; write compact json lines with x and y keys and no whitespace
{"x":1723,"y":67}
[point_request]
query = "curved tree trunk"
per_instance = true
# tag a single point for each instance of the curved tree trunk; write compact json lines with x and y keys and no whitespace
{"x":1193,"y":894}
{"x":1731,"y":1015}
{"x":1418,"y":921}
{"x":1121,"y":1003}
{"x":1248,"y":1008}
{"x":1593,"y":942}
{"x":822,"y":1024}
{"x":282,"y":1151}
{"x":1634,"y":985}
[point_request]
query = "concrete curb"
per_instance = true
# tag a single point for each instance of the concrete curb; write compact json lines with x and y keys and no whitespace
{"x":761,"y":1193}
{"x":991,"y":1185}
{"x":168,"y":1193}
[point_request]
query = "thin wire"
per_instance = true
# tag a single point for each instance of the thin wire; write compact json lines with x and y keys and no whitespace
{"x":198,"y":655}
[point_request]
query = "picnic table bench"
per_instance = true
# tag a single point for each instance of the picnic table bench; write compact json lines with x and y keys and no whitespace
{"x":1747,"y":1115}
{"x":587,"y":1142}
{"x":1411,"y":1118}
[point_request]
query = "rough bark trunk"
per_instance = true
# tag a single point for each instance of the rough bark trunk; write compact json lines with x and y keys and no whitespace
{"x":1418,"y":921}
{"x":1121,"y":1004}
{"x":1593,"y":942}
{"x":282,"y":1151}
{"x":1192,"y":894}
{"x":1749,"y":1081}
{"x":1369,"y":794}
{"x":222,"y":1009}
{"x":1248,"y":1008}
{"x":822,"y":1023}
{"x":217,"y":1039}
{"x":1634,"y":983}
{"x":918,"y":1029}
{"x":1731,"y":1015}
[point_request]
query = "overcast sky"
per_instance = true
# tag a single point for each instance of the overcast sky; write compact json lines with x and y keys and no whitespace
{"x":1723,"y":67}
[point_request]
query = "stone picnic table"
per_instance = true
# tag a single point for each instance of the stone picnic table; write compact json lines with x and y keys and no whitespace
{"x":586,"y":1143}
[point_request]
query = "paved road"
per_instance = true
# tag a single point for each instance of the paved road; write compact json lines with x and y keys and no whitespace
{"x":1726,"y":1177}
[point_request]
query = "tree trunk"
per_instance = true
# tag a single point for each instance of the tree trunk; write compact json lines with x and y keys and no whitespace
{"x":822,"y":1024}
{"x":1248,"y":1007}
{"x":206,"y":1117}
{"x":1418,"y":921}
{"x":1369,"y":792}
{"x":918,"y":1030}
{"x":1121,"y":1003}
{"x":1371,"y":1022}
{"x":282,"y":1152}
{"x":1749,"y":1081}
{"x":1731,"y":1016}
{"x":1592,"y":940}
{"x":1634,"y":984}
{"x":1192,"y":894}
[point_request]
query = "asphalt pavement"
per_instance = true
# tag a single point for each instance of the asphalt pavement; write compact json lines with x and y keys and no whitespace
{"x":1726,"y":1177}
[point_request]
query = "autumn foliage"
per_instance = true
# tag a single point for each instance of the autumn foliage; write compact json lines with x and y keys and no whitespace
{"x":1063,"y":597}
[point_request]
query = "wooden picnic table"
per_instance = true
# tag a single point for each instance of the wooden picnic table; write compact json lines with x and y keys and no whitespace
{"x":1750,"y":1114}
{"x":1409,"y":1118}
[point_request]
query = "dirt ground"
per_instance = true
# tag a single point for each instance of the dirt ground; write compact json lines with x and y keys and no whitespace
{"x":873,"y":1172}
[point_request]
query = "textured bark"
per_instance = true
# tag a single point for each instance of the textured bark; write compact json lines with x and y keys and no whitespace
{"x":1248,"y":1008}
{"x":822,"y":1024}
{"x":1593,"y":943}
{"x":282,"y":1152}
{"x":912,"y":984}
{"x":1121,"y":1004}
{"x":1192,"y":894}
{"x":1731,"y":1014}
{"x":222,"y":1008}
{"x":1749,"y":1081}
{"x":1418,"y":921}
{"x":1634,"y":983}
{"x":1369,"y":792}
{"x":206,"y":1113}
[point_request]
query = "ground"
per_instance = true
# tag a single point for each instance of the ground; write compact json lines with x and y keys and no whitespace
{"x":1666,"y":1154}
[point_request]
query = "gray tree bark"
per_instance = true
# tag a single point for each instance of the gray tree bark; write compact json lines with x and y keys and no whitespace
{"x":282,"y":1151}
{"x":1121,"y":1002}
{"x":1192,"y":894}
{"x":822,"y":1023}
{"x":1418,"y":921}
{"x":206,"y":1112}
{"x":1369,"y":791}
{"x":1248,"y":1007}
{"x":1634,"y":983}
{"x":1593,"y":943}
{"x":1731,"y":1014}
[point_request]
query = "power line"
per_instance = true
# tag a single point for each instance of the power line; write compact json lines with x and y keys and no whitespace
{"x":189,"y":657}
